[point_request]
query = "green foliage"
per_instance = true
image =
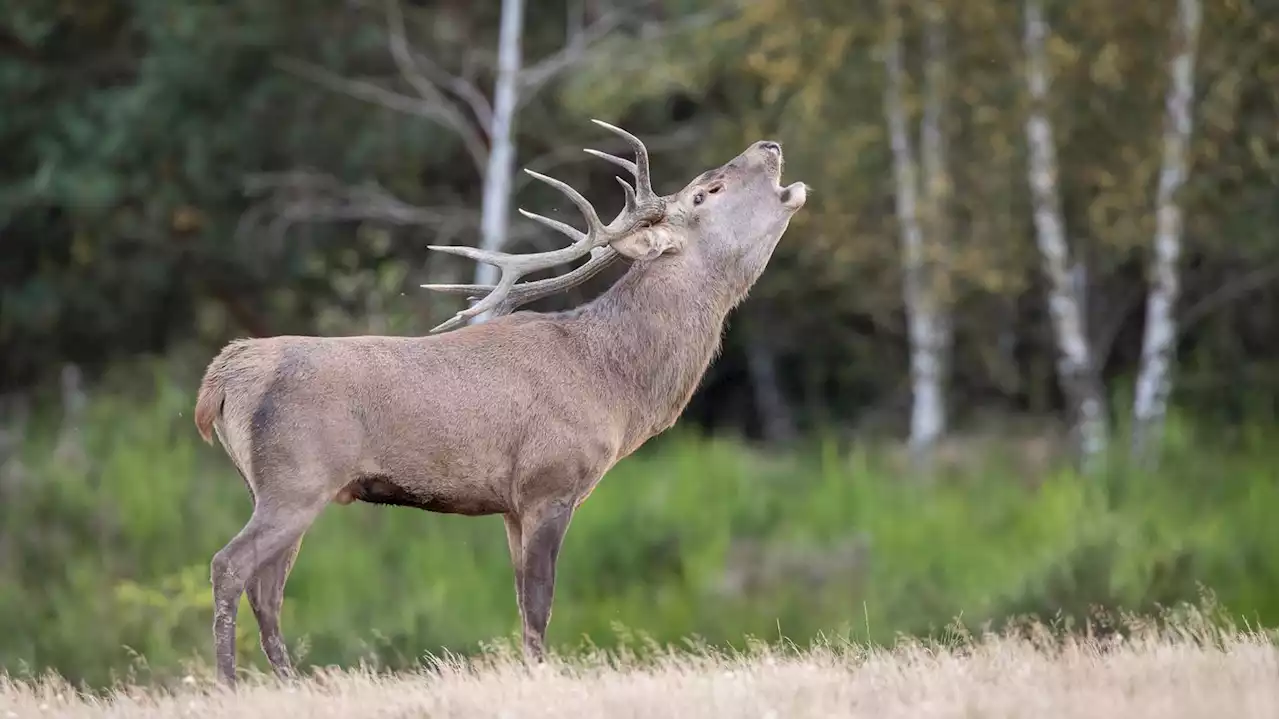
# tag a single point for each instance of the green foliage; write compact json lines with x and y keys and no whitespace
{"x":104,"y":563}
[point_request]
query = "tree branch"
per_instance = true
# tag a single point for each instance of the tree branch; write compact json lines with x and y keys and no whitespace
{"x":579,"y":42}
{"x":325,"y":197}
{"x":372,"y":92}
{"x":534,"y":77}
{"x":1225,"y":295}
{"x":460,"y":86}
{"x":302,"y":196}
{"x":413,"y":66}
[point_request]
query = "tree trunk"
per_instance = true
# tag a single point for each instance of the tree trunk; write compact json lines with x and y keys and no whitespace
{"x":1075,"y":360}
{"x":1158,"y":341}
{"x":937,"y":198}
{"x":777,"y":421}
{"x":927,"y":325}
{"x":496,"y":201}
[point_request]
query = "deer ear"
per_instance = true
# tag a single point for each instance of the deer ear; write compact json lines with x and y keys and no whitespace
{"x":647,"y":244}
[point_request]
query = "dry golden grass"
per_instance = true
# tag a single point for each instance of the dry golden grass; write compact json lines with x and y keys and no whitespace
{"x":1165,"y":675}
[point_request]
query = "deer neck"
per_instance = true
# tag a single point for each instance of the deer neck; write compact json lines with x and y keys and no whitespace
{"x":654,"y":333}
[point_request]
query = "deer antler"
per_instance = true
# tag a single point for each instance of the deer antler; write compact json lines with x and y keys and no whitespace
{"x":642,"y":207}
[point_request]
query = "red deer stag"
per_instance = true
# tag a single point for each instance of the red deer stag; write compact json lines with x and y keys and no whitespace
{"x":520,"y":415}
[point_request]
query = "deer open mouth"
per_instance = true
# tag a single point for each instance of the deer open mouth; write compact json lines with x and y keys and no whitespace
{"x":794,"y":195}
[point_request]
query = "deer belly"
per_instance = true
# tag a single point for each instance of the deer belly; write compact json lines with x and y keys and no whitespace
{"x":382,"y":490}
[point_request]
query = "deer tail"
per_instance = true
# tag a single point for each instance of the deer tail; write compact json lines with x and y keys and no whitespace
{"x":209,"y":403}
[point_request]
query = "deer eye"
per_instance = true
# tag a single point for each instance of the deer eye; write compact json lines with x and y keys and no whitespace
{"x":699,"y":198}
{"x":716,"y":189}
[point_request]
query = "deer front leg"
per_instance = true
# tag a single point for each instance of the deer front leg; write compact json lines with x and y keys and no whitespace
{"x":516,"y":547}
{"x":542,"y":534}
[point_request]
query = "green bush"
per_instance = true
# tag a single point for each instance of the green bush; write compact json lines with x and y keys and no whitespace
{"x":104,"y":553}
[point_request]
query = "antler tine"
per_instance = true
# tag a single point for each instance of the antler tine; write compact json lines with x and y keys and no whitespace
{"x":508,"y":280}
{"x":639,"y":168}
{"x":641,"y":205}
{"x":629,"y":196}
{"x":622,"y":162}
{"x":556,"y":225}
{"x":525,"y":292}
{"x":594,"y":225}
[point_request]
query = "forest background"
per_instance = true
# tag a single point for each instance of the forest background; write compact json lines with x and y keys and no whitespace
{"x":1017,"y":355}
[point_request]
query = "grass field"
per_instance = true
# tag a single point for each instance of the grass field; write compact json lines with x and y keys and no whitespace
{"x":1150,"y":673}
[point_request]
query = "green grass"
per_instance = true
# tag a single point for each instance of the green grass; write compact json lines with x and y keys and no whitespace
{"x":104,"y":560}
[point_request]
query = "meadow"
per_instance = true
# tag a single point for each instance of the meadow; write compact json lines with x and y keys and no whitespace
{"x":1183,"y":670}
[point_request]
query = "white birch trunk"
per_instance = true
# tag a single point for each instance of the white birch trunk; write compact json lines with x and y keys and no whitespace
{"x":495,"y":204}
{"x":937,"y":194}
{"x":925,"y":330}
{"x":1075,"y":360}
{"x":1154,"y":381}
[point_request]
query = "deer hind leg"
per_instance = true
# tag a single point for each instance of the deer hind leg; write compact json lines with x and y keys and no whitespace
{"x":542,"y":534}
{"x":266,"y":597}
{"x":271,"y":530}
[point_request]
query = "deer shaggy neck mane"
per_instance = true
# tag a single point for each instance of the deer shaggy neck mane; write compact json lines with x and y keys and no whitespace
{"x":655,"y":331}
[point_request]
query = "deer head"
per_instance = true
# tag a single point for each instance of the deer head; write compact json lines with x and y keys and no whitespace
{"x":727,"y":221}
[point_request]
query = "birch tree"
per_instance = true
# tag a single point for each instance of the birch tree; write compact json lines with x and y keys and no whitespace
{"x":483,"y":123}
{"x":929,"y":326}
{"x":937,"y":195}
{"x":1076,"y":373}
{"x":1160,"y":332}
{"x":496,"y":200}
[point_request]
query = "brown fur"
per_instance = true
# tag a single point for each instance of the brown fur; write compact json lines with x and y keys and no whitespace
{"x":209,"y":399}
{"x":208,"y":406}
{"x":519,"y":416}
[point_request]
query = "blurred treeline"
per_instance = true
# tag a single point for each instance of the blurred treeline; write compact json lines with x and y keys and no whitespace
{"x":176,"y":174}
